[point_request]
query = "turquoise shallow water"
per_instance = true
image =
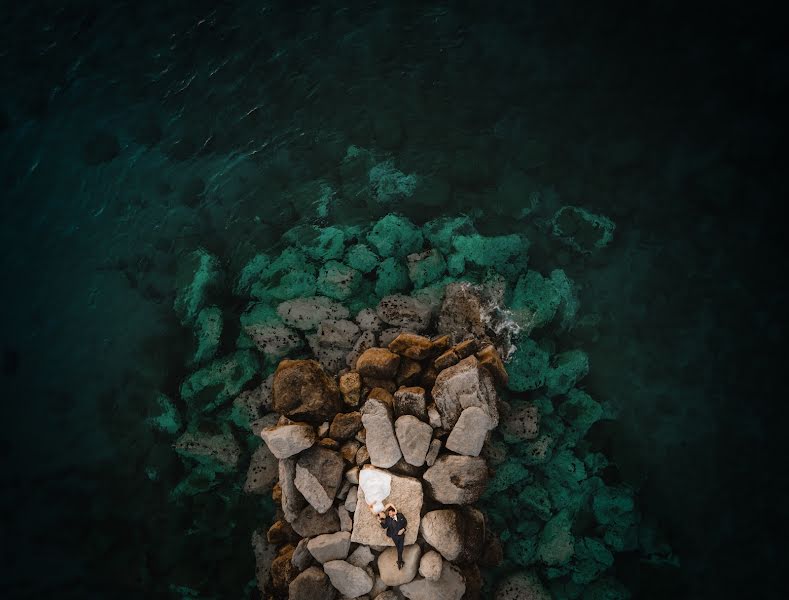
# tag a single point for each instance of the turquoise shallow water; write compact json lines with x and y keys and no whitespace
{"x":132,"y":133}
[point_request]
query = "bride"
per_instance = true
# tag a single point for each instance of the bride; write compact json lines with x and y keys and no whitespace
{"x":376,"y":486}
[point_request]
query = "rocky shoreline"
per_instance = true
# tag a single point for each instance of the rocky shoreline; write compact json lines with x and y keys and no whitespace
{"x":419,"y":409}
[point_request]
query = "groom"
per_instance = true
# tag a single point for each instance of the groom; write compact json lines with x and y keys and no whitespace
{"x":395,"y":524}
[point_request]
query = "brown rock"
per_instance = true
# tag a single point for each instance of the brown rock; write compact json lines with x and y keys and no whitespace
{"x":349,"y":450}
{"x":351,"y":388}
{"x":263,"y":471}
{"x":408,"y":371}
{"x":461,"y":312}
{"x":441,"y":343}
{"x":428,"y":377}
{"x":329,"y":443}
{"x":276,"y":493}
{"x":410,"y":401}
{"x":465,"y":348}
{"x":489,"y":358}
{"x":282,"y":569}
{"x":385,"y":384}
{"x":447,"y":359}
{"x":362,"y":456}
{"x":492,"y":554}
{"x":345,"y":425}
{"x":382,"y":395}
{"x":303,"y":391}
{"x":280,"y":532}
{"x":378,"y":363}
{"x":411,"y":345}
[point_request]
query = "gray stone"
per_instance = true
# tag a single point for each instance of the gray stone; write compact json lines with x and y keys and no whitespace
{"x":434,"y":417}
{"x":456,"y":533}
{"x":318,"y":476}
{"x":361,"y":557}
{"x":331,"y":358}
{"x":330,"y":546}
{"x":404,"y":311}
{"x":388,"y":595}
{"x":264,"y":555}
{"x":274,"y":341}
{"x":380,"y":591}
{"x":350,"y":499}
{"x":263,"y":471}
{"x":346,"y":523}
{"x":457,"y":479}
{"x":432,"y":453}
{"x":380,"y":435}
{"x":285,"y":441}
{"x":469,"y":433}
{"x":414,"y":437}
{"x":352,"y":475}
{"x":301,"y":558}
{"x":292,"y":500}
{"x":522,"y":586}
{"x":450,"y":586}
{"x":406,"y":495}
{"x":523,"y":423}
{"x":368,"y":320}
{"x":312,"y":584}
{"x":348,"y":579}
{"x":307,"y":313}
{"x":430,"y":565}
{"x":462,"y":385}
{"x":387,"y":565}
{"x":363,"y":343}
{"x":310,"y":522}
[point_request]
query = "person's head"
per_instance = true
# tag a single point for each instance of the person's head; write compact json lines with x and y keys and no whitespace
{"x":391,"y":511}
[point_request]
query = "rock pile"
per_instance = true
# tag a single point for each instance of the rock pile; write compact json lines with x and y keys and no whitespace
{"x":419,"y":409}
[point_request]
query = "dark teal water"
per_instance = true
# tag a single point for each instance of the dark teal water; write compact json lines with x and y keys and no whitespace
{"x":130,"y":132}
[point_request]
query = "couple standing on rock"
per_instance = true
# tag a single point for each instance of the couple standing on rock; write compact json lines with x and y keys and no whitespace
{"x":395,"y":524}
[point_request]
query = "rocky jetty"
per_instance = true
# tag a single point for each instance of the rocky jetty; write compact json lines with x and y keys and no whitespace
{"x":418,"y":411}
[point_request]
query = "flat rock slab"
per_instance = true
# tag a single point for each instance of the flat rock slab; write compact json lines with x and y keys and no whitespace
{"x":286,"y":440}
{"x":414,"y":437}
{"x":450,"y":586}
{"x":387,"y":565}
{"x":469,"y":433}
{"x":310,"y":522}
{"x":318,"y":476}
{"x":406,"y":495}
{"x":312,"y":584}
{"x":379,"y":433}
{"x":330,"y":546}
{"x":462,"y":385}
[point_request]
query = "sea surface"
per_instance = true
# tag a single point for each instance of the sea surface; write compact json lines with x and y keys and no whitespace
{"x":131,"y":132}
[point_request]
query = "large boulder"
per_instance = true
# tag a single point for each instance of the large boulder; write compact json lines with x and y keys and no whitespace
{"x":380,"y":435}
{"x":456,"y":479}
{"x":219,"y":381}
{"x":292,"y":500}
{"x":338,"y":333}
{"x":307,"y":313}
{"x":404,"y":311}
{"x":303,"y":391}
{"x":450,"y":586}
{"x":430,"y":565}
{"x":462,"y":385}
{"x":390,"y":574}
{"x":273,"y":340}
{"x":522,"y":586}
{"x":310,"y":522}
{"x":469,"y":433}
{"x":330,"y":546}
{"x":557,"y":542}
{"x":312,"y":584}
{"x":288,"y":440}
{"x":406,"y":494}
{"x":462,"y":313}
{"x":319,"y":474}
{"x":414,"y":437}
{"x":349,"y":580}
{"x":458,"y":534}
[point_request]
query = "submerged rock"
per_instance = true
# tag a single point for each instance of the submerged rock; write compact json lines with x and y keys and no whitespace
{"x":216,"y":383}
{"x":307,"y":313}
{"x":263,"y":471}
{"x":199,"y":276}
{"x":405,"y":312}
{"x":522,"y":586}
{"x":219,"y":452}
{"x":581,"y":229}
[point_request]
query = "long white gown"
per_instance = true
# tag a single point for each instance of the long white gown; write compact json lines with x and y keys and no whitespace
{"x":376,"y":486}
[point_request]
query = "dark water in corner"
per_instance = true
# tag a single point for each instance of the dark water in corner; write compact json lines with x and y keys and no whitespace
{"x":131,"y":131}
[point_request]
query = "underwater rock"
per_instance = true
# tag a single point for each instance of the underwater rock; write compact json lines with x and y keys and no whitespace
{"x":307,"y":313}
{"x":218,"y":452}
{"x":199,"y":275}
{"x":557,"y":543}
{"x":252,"y":271}
{"x":330,"y":546}
{"x":580,"y":411}
{"x":361,"y":258}
{"x":349,"y":580}
{"x":380,"y":435}
{"x":274,"y":341}
{"x":207,"y":331}
{"x":566,"y":369}
{"x":338,"y":281}
{"x":264,"y":555}
{"x":528,"y":367}
{"x":391,"y":277}
{"x":425,"y":267}
{"x":288,"y":440}
{"x":368,"y":320}
{"x":302,"y":390}
{"x":430,"y":565}
{"x":405,"y":312}
{"x":507,"y":254}
{"x":339,"y":333}
{"x":378,"y":363}
{"x":582,"y":230}
{"x":263,"y":471}
{"x":535,"y":301}
{"x":319,"y":474}
{"x":522,"y":586}
{"x":592,"y":559}
{"x":390,"y":574}
{"x":169,"y":421}
{"x":450,"y":586}
{"x":406,"y":494}
{"x":440,"y":232}
{"x":468,"y":435}
{"x":414,"y":438}
{"x":312,"y":584}
{"x":250,"y":404}
{"x":522,"y":423}
{"x":536,"y":498}
{"x":456,"y":479}
{"x":462,"y":385}
{"x":395,"y":236}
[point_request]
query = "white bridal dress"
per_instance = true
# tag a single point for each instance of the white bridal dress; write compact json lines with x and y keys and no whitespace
{"x":376,"y":486}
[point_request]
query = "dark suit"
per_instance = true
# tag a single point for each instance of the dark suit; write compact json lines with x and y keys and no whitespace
{"x":392,"y":526}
